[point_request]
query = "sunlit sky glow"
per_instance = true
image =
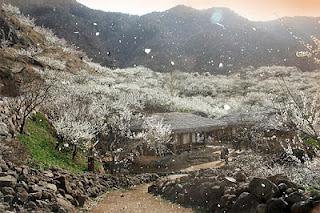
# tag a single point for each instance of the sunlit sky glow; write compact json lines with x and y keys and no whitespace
{"x":252,"y":9}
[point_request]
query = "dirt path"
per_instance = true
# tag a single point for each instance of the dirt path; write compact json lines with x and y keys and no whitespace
{"x":136,"y":200}
{"x":210,"y":165}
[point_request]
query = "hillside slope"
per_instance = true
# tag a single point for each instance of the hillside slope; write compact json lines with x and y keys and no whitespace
{"x":215,"y":40}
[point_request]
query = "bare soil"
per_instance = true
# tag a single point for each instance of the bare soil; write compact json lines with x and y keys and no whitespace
{"x":137,"y":200}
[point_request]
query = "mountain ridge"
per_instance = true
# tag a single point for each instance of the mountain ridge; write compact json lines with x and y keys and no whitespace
{"x":191,"y":39}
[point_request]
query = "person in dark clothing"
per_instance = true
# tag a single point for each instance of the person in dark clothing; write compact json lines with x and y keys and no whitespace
{"x":225,"y":154}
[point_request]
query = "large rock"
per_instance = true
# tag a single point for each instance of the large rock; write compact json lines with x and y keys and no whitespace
{"x":316,"y":208}
{"x":22,"y":195}
{"x":240,"y":177}
{"x":205,"y":194}
{"x":263,"y":189}
{"x":246,"y":203}
{"x":65,"y":204}
{"x":276,"y":205}
{"x":295,"y":197}
{"x":302,"y":207}
{"x":8,"y":181}
{"x":7,"y":190}
{"x":227,"y":201}
{"x":62,"y":182}
{"x":35,"y":196}
{"x":81,"y":199}
{"x":51,"y":187}
{"x":4,"y":131}
{"x":281,"y":179}
{"x":48,"y":174}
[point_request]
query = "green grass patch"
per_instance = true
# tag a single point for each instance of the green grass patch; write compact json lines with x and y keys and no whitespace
{"x":40,"y":142}
{"x":312,"y":142}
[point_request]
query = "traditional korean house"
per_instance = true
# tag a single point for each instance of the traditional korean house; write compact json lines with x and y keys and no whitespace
{"x":189,"y":130}
{"x":251,"y":129}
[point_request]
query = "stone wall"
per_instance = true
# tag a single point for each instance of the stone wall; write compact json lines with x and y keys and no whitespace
{"x":25,"y":189}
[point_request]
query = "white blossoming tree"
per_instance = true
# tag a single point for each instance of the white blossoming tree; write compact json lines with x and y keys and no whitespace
{"x":312,"y":51}
{"x":303,"y":113}
{"x":74,"y":122}
{"x":157,"y":136}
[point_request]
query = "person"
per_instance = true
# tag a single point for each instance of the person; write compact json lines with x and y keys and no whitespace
{"x":225,"y":154}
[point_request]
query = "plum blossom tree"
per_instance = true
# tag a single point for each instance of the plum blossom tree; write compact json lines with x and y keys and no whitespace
{"x":312,"y":51}
{"x":157,"y":135}
{"x":33,"y":94}
{"x":117,"y":132}
{"x":303,"y":113}
{"x":74,"y":122}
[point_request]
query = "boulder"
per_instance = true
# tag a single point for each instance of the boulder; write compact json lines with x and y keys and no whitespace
{"x":35,"y":196}
{"x":47,"y":195}
{"x":242,"y":187}
{"x":261,"y":208}
{"x":246,"y":203}
{"x":316,"y":208}
{"x":276,"y":205}
{"x":153,"y":189}
{"x":301,"y":207}
{"x":63,"y":183}
{"x":65,"y":204}
{"x":8,"y":199}
{"x":48,"y":174}
{"x":51,"y":187}
{"x":4,"y":131}
{"x":4,"y":167}
{"x":295,"y":197}
{"x":30,"y":206}
{"x":283,"y":187}
{"x":278,"y":179}
{"x":1,"y":197}
{"x":214,"y":195}
{"x":36,"y":188}
{"x":263,"y":189}
{"x":7,"y":190}
{"x":240,"y":177}
{"x":81,"y":199}
{"x":8,"y":181}
{"x":206,"y":193}
{"x":4,"y":208}
{"x":227,"y":201}
{"x":22,"y":195}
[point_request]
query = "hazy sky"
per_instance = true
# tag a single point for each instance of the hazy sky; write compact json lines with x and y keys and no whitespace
{"x":252,"y":9}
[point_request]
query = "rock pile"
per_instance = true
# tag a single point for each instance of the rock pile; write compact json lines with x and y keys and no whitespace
{"x":236,"y":194}
{"x":27,"y":189}
{"x":6,"y":121}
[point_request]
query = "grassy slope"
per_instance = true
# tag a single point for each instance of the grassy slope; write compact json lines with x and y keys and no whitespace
{"x":40,"y":143}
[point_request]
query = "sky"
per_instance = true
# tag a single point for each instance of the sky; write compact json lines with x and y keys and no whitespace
{"x":257,"y":10}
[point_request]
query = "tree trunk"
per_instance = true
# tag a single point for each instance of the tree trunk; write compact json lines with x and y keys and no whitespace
{"x":74,"y":152}
{"x":21,"y":130}
{"x":90,"y":160}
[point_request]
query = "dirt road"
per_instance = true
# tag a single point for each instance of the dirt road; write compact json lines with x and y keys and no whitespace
{"x":137,"y":200}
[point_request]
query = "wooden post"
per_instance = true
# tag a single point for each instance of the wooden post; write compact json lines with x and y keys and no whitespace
{"x":190,"y":141}
{"x":205,"y":140}
{"x":176,"y":140}
{"x":174,"y":149}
